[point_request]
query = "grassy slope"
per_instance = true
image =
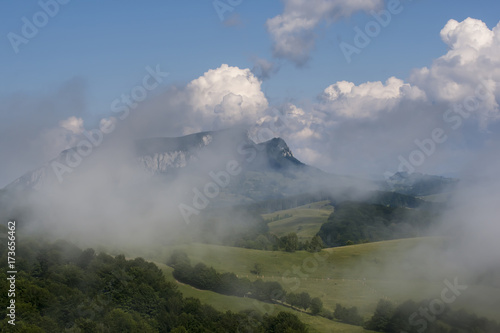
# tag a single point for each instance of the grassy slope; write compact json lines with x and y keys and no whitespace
{"x":235,"y":304}
{"x":357,"y":275}
{"x":305,"y":220}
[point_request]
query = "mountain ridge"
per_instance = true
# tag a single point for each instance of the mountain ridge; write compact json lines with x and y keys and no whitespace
{"x":270,"y":170}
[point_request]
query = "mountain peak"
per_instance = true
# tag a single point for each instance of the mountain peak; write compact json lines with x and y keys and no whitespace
{"x":279,"y":145}
{"x":166,"y":155}
{"x":279,"y":154}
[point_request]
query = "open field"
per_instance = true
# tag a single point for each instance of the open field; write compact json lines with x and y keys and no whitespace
{"x":305,"y":220}
{"x":358,"y":275}
{"x":235,"y":304}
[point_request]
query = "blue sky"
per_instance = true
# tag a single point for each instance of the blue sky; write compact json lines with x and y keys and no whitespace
{"x":109,"y":43}
{"x":106,"y":45}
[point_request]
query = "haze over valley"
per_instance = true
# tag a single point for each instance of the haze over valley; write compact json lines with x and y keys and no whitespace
{"x":236,"y":166}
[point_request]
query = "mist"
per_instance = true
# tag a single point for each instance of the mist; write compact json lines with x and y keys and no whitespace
{"x":350,"y":150}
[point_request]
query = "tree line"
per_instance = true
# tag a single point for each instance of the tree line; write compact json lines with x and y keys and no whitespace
{"x":410,"y":317}
{"x":65,"y":289}
{"x":207,"y":278}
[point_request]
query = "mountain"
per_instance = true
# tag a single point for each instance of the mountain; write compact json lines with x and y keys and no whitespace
{"x":417,"y":184}
{"x":164,"y":155}
{"x":266,"y":170}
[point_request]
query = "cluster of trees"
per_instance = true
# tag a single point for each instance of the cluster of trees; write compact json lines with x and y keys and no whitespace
{"x":278,"y":217}
{"x":348,"y":315}
{"x":203,"y":277}
{"x":61,"y":288}
{"x":291,"y":243}
{"x":411,"y":317}
{"x":358,"y":222}
{"x":304,"y":301}
{"x":207,"y":278}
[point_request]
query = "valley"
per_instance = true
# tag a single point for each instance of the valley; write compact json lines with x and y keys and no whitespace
{"x":231,"y":166}
{"x":358,"y":248}
{"x":357,"y":275}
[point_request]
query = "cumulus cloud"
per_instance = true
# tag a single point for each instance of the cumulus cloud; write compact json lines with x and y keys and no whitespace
{"x":367,"y":100}
{"x":226,"y":96}
{"x":292,"y":31}
{"x":288,"y":120}
{"x":353,"y":128}
{"x":472,"y":63}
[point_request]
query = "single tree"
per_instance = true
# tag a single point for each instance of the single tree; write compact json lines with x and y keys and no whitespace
{"x":316,"y":305}
{"x":305,"y":300}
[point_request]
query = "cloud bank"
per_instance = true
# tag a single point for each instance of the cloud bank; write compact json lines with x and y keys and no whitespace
{"x":379,"y":120}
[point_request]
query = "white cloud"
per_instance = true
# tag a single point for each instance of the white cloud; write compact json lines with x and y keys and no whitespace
{"x":287,"y":121}
{"x":365,"y":127}
{"x":226,"y":96}
{"x":367,"y":100}
{"x":293,"y":30}
{"x":468,"y":34}
{"x":472,"y":62}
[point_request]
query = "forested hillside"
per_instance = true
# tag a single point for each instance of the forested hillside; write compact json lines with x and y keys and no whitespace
{"x":61,"y":288}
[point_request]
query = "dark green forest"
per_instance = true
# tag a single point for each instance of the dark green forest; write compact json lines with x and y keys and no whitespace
{"x":359,"y":222}
{"x":60,"y":288}
{"x":412,"y":317}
